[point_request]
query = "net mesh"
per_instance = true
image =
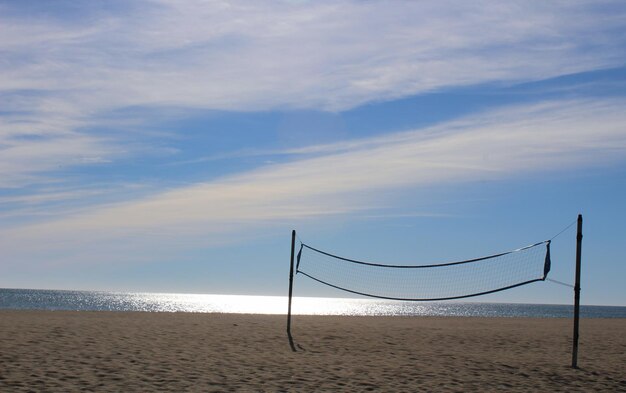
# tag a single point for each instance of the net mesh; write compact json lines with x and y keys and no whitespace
{"x":453,"y":280}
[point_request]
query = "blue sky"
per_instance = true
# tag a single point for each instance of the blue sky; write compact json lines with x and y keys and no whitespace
{"x":172,"y":146}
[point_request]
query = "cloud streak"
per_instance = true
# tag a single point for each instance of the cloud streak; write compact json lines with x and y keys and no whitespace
{"x":60,"y":76}
{"x":350,"y":178}
{"x":322,"y":55}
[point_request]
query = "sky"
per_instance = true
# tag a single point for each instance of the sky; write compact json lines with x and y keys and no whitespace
{"x":172,"y":146}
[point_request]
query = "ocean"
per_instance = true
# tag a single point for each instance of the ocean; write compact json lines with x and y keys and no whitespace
{"x":36,"y":299}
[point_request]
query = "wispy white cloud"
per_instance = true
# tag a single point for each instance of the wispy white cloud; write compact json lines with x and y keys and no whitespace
{"x":500,"y":145}
{"x":329,"y":55}
{"x":43,"y":197}
{"x":60,"y":75}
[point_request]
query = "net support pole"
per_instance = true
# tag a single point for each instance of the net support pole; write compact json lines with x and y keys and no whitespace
{"x":293,"y":249}
{"x":579,"y":241}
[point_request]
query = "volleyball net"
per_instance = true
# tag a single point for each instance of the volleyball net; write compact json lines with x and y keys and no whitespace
{"x":434,"y":281}
{"x":427,"y":281}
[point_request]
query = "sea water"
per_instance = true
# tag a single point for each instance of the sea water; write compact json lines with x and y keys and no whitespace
{"x":36,"y":299}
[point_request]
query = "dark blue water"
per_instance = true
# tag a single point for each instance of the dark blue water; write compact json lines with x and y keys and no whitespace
{"x":33,"y":299}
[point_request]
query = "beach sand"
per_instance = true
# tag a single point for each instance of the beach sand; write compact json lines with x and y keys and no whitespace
{"x":143,"y":352}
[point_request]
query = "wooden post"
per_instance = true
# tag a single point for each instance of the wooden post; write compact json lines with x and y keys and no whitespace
{"x":293,"y":249}
{"x":579,"y":241}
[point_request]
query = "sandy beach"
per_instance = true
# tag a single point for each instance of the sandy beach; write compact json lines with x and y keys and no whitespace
{"x":140,"y":352}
